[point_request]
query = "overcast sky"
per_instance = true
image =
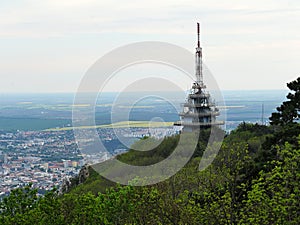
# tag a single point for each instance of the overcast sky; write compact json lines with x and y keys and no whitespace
{"x":47,"y":46}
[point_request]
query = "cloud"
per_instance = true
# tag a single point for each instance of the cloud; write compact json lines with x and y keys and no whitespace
{"x":62,"y":36}
{"x":60,"y":18}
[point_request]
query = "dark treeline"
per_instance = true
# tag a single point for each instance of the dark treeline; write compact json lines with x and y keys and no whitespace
{"x":254,"y":179}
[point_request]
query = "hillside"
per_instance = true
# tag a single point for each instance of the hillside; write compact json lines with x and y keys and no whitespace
{"x":254,"y":179}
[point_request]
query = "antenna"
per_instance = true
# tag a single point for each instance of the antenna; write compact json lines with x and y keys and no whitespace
{"x":199,"y":75}
{"x":198,"y":32}
{"x":262,"y":113}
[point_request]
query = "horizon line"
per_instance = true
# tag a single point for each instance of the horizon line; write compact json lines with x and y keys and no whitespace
{"x":242,"y":90}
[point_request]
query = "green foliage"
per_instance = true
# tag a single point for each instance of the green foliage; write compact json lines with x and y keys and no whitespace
{"x":149,"y":151}
{"x":254,"y":129}
{"x":94,"y":184}
{"x":23,"y":206}
{"x":286,"y":126}
{"x":19,"y":201}
{"x":274,"y":197}
{"x":224,"y":193}
{"x":289,"y":111}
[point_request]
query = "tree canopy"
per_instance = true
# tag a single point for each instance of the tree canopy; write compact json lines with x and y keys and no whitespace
{"x":289,"y":111}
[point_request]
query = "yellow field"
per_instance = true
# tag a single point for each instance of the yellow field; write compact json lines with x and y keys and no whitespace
{"x":123,"y":124}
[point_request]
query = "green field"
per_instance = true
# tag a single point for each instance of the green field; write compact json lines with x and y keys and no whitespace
{"x":11,"y":124}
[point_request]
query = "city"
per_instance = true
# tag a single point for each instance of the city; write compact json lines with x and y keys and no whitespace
{"x":46,"y":158}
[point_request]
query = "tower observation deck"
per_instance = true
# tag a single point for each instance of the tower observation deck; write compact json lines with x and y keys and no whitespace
{"x":199,"y":111}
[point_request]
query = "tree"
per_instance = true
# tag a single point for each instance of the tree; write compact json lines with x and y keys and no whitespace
{"x":289,"y":111}
{"x":285,"y":122}
{"x":275,"y":195}
{"x":19,"y":201}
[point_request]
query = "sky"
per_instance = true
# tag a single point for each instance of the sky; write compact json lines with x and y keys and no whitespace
{"x":48,"y":46}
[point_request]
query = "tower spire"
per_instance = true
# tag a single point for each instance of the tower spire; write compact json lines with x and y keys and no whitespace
{"x":199,"y":75}
{"x":198,"y":32}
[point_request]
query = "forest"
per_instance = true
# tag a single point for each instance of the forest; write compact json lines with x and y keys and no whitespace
{"x":254,"y":179}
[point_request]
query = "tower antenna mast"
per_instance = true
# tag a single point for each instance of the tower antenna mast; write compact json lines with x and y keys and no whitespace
{"x":198,"y":32}
{"x":199,"y":75}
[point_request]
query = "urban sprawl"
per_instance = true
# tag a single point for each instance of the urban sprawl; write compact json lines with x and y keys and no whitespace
{"x":46,"y":158}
